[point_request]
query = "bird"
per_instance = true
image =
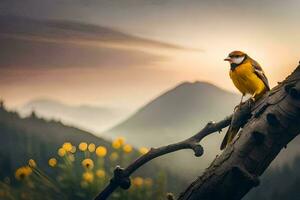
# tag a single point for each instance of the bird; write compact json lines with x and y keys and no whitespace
{"x":249,"y":78}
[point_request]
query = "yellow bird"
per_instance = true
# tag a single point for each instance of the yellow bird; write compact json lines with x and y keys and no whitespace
{"x":249,"y":78}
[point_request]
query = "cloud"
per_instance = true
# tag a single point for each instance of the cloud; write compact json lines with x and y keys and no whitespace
{"x":36,"y":54}
{"x":56,"y":44}
{"x":20,"y":27}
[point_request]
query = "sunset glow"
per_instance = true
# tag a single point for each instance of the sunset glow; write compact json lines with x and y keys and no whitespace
{"x":131,"y":64}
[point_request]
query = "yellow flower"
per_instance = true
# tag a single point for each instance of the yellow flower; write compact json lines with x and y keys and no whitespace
{"x":67,"y":146}
{"x":114,"y":156}
{"x":32,"y":163}
{"x":82,"y":146}
{"x":100,"y":173}
{"x":91,"y":147}
{"x":88,"y":163}
{"x":121,"y":140}
{"x":138,"y":181}
{"x":143,"y":150}
{"x":52,"y":162}
{"x":23,"y":172}
{"x":88,"y":177}
{"x":127,"y":148}
{"x":148,"y":182}
{"x":73,"y":150}
{"x":101,"y":151}
{"x":61,"y":152}
{"x":116,"y":144}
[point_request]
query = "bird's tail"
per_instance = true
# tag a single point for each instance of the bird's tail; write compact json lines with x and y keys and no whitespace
{"x":230,"y":134}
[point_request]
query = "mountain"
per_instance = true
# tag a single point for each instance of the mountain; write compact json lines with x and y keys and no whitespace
{"x":33,"y":137}
{"x":92,"y":118}
{"x":176,"y":115}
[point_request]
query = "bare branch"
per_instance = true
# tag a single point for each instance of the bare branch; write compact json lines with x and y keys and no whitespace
{"x":121,"y":176}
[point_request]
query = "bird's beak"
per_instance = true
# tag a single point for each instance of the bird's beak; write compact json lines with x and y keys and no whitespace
{"x":227,"y":59}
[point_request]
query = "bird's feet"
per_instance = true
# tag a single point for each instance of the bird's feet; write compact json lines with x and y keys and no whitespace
{"x":249,"y":102}
{"x":238,"y":107}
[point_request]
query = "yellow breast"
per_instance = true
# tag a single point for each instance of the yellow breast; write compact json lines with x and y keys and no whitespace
{"x":246,"y":81}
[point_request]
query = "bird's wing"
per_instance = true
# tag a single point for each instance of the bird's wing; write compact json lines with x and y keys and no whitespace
{"x":260,"y":73}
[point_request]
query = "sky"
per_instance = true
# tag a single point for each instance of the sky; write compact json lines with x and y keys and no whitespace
{"x":123,"y":53}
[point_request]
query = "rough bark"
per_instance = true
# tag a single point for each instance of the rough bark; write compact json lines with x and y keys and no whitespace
{"x":274,"y":122}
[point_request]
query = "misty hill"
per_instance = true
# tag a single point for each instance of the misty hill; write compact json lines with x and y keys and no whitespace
{"x":176,"y":114}
{"x":88,"y":117}
{"x":33,"y":137}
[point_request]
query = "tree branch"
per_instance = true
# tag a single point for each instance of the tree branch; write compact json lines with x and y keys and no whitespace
{"x":121,"y":176}
{"x":235,"y":172}
{"x":275,"y":121}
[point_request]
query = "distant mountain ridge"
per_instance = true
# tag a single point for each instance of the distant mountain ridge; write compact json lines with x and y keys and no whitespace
{"x":37,"y":138}
{"x":175,"y":115}
{"x":181,"y":110}
{"x":92,"y":118}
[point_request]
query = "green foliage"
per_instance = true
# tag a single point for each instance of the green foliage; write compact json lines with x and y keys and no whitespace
{"x":28,"y":138}
{"x":80,"y":173}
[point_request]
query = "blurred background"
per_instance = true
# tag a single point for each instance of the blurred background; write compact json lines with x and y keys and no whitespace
{"x":86,"y":85}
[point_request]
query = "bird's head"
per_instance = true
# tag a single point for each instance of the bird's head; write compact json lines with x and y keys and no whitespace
{"x":236,"y":57}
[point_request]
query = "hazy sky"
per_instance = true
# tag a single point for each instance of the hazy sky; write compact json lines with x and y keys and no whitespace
{"x":141,"y":47}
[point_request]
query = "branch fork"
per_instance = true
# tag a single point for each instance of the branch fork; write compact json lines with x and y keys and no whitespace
{"x":121,"y":176}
